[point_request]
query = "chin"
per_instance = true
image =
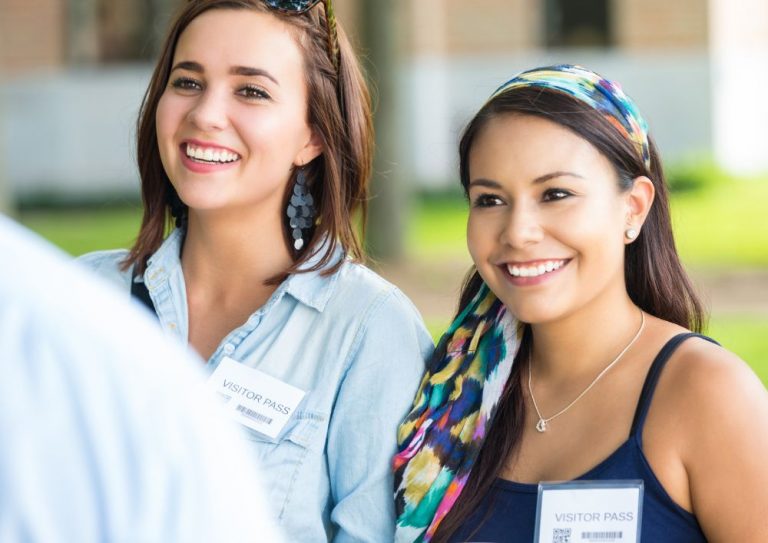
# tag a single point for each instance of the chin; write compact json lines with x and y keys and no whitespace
{"x":534,"y":313}
{"x":200,"y":198}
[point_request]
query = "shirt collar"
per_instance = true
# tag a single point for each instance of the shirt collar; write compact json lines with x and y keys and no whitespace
{"x":311,"y":287}
{"x":165,"y":259}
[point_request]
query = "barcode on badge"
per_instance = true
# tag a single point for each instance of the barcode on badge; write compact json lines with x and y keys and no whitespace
{"x":561,"y":535}
{"x":253,"y":415}
{"x":602,"y":537}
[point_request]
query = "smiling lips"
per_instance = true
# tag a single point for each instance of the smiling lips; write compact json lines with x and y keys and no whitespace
{"x":209,"y":155}
{"x":535,"y":270}
{"x":532,"y":272}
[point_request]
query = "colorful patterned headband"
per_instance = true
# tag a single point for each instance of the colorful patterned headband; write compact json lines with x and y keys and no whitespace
{"x":592,"y":89}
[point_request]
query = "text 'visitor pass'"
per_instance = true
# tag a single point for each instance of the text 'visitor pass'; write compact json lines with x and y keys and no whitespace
{"x":253,"y":398}
{"x":589,"y":511}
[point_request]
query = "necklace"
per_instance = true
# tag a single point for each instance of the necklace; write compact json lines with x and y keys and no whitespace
{"x":541,"y":426}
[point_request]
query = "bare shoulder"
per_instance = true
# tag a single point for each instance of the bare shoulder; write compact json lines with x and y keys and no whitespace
{"x":717,"y":399}
{"x":716,"y":410}
{"x":704,"y":374}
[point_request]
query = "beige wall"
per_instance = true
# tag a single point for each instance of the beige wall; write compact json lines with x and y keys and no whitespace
{"x":471,"y":27}
{"x":426,"y":27}
{"x":661,"y":24}
{"x":31,"y":35}
{"x":499,"y":26}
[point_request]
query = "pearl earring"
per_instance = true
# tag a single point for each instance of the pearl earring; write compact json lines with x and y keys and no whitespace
{"x":630,"y":233}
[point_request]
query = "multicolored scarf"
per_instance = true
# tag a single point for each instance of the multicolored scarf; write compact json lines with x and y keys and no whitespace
{"x":594,"y":90}
{"x":442,"y":435}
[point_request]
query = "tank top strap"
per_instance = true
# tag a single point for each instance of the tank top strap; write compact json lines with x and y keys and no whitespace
{"x":653,"y":378}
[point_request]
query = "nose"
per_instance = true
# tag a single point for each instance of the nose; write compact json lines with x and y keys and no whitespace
{"x":209,"y":113}
{"x":523,"y":226}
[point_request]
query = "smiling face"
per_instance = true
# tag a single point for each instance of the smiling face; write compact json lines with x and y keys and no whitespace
{"x":232,"y":121}
{"x":547,"y":218}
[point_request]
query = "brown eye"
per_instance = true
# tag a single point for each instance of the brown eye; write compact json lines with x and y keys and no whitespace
{"x":186,"y":83}
{"x":252,"y":92}
{"x":556,"y":194}
{"x":487,"y":200}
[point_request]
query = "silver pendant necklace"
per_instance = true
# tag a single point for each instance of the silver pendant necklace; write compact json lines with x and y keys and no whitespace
{"x":541,"y":426}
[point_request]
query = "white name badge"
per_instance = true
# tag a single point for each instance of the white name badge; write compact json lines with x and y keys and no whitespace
{"x":253,"y":398}
{"x":589,"y":512}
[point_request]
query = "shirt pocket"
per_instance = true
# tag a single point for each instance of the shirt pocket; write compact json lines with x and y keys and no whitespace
{"x":281,"y":458}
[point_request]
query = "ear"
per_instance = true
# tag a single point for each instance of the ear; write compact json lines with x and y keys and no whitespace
{"x":639,"y":200}
{"x":311,"y":150}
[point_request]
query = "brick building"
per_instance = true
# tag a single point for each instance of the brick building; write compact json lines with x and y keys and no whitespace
{"x":72,"y":73}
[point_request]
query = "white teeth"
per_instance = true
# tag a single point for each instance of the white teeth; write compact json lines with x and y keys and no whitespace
{"x":209,"y":154}
{"x":535,"y":271}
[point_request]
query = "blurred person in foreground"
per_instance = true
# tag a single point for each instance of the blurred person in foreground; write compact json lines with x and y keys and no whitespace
{"x":573,"y":396}
{"x":107,"y":431}
{"x":255,"y":136}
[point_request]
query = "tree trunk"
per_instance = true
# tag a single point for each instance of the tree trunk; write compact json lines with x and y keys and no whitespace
{"x":388,"y":205}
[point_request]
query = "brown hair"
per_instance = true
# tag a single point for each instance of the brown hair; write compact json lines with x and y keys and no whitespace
{"x":339,"y":111}
{"x":654,"y":275}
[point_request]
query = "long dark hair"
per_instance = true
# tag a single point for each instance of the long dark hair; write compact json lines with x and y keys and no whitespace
{"x":339,"y":112}
{"x":655,"y":279}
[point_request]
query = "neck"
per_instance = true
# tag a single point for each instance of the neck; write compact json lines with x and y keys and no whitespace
{"x":222,"y":246}
{"x":583,"y":343}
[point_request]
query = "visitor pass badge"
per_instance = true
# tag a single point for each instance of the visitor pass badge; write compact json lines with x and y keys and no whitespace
{"x":589,"y":512}
{"x":253,"y":398}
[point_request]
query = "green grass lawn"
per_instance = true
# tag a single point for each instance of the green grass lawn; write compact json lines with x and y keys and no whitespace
{"x":747,"y":336}
{"x":723,"y":226}
{"x":78,"y":231}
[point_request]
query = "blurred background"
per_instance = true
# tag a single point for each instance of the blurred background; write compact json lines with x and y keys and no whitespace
{"x":73,"y":72}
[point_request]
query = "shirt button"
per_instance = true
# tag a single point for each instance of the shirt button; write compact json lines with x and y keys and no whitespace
{"x":229,"y":348}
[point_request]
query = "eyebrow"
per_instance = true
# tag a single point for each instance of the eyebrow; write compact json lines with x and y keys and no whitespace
{"x":234,"y":70}
{"x":553,"y":175}
{"x":491,"y":184}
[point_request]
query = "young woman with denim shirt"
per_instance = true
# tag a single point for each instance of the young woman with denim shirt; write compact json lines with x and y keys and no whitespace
{"x":255,"y":138}
{"x":572,"y":356}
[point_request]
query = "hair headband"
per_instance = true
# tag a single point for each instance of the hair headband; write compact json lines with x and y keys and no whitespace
{"x":594,"y":90}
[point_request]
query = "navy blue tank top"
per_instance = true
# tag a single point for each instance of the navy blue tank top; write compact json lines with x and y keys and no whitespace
{"x":508,"y":512}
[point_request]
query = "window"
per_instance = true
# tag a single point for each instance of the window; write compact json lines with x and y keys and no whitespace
{"x":578,"y":23}
{"x":115,"y":31}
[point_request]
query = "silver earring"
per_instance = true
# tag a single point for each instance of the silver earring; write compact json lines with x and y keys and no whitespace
{"x":300,"y":210}
{"x":630,"y":233}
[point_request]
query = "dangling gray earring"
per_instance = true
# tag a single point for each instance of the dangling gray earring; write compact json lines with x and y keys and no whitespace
{"x":630,"y":233}
{"x":300,"y":211}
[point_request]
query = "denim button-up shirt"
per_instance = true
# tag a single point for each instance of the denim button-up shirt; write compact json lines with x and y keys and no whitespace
{"x":357,"y":345}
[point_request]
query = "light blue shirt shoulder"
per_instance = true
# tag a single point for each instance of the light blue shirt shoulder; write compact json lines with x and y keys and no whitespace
{"x":357,"y":346}
{"x":108,"y":264}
